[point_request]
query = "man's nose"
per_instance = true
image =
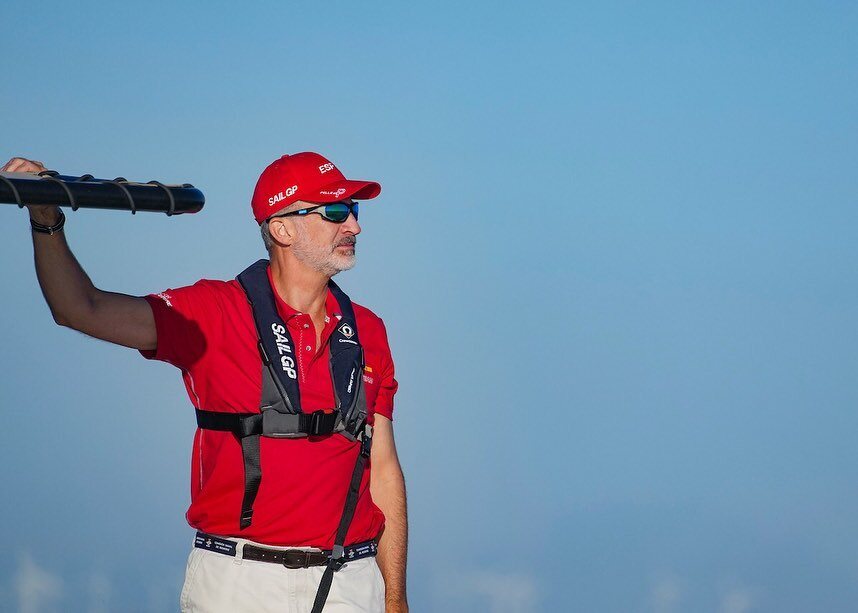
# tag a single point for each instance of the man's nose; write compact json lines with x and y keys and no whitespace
{"x":351,"y":224}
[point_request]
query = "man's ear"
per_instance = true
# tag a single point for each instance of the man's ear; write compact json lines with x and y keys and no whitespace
{"x":282,"y":231}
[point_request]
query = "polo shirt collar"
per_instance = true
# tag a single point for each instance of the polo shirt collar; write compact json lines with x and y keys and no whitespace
{"x":287,"y":312}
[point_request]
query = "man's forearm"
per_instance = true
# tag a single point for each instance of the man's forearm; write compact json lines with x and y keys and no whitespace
{"x":389,"y":495}
{"x":75,"y":302}
{"x":66,"y":287}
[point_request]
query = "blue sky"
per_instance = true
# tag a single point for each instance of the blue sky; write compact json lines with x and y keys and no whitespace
{"x":615,"y":253}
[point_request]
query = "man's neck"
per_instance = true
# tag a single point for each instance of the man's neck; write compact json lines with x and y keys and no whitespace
{"x":302,"y":288}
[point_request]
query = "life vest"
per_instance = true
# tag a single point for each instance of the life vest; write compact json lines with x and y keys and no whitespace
{"x":280,"y":414}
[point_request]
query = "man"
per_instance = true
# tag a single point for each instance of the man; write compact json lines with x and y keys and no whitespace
{"x":293,"y":387}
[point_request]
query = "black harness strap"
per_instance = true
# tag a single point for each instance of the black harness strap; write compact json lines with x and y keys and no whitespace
{"x":240,"y":424}
{"x":252,"y":478}
{"x":337,"y":560}
{"x":270,"y":423}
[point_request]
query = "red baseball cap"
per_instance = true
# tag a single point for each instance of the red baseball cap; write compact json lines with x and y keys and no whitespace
{"x":304,"y":176}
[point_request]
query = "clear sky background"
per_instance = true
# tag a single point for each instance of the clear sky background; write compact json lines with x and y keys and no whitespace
{"x":615,"y":253}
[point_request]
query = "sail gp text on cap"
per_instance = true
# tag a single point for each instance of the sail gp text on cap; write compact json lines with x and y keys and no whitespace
{"x":308,"y":177}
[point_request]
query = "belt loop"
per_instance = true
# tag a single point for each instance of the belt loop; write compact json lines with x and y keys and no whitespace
{"x":239,"y":552}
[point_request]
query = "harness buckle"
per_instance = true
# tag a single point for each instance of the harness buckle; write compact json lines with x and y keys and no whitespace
{"x":319,"y":423}
{"x":366,"y":441}
{"x":338,"y":558}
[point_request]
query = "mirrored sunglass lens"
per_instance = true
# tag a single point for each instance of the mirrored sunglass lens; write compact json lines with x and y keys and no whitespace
{"x":337,"y":211}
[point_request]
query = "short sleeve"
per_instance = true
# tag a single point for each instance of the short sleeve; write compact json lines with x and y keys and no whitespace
{"x":186,"y":321}
{"x":389,"y":385}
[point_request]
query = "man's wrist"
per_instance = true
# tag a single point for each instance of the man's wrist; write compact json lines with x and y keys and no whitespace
{"x":52,"y":228}
{"x":396,"y":599}
{"x":50,"y":216}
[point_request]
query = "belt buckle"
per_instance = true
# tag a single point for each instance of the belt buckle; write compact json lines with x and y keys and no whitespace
{"x":289,"y":559}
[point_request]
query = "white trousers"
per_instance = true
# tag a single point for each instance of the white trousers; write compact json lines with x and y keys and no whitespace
{"x":218,"y":583}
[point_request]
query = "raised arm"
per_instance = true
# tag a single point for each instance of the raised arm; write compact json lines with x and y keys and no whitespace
{"x":73,"y":299}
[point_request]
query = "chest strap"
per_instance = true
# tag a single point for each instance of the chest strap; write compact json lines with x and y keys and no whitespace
{"x":271,"y":423}
{"x":248,"y":427}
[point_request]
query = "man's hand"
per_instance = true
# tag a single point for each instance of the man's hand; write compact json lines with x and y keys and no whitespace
{"x":46,"y":215}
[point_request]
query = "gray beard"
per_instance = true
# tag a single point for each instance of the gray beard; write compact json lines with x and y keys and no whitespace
{"x":320,"y":258}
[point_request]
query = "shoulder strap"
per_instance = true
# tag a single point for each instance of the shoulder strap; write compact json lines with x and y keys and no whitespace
{"x":347,"y":363}
{"x":275,"y":343}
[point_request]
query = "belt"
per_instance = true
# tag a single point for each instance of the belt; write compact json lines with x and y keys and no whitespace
{"x":290,"y":558}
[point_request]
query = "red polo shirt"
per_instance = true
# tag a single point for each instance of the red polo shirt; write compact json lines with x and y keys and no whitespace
{"x":207,"y":331}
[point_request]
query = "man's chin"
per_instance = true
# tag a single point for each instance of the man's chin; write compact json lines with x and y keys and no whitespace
{"x":343,"y":263}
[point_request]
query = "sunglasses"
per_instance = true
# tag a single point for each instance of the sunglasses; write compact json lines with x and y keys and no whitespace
{"x":336,"y":212}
